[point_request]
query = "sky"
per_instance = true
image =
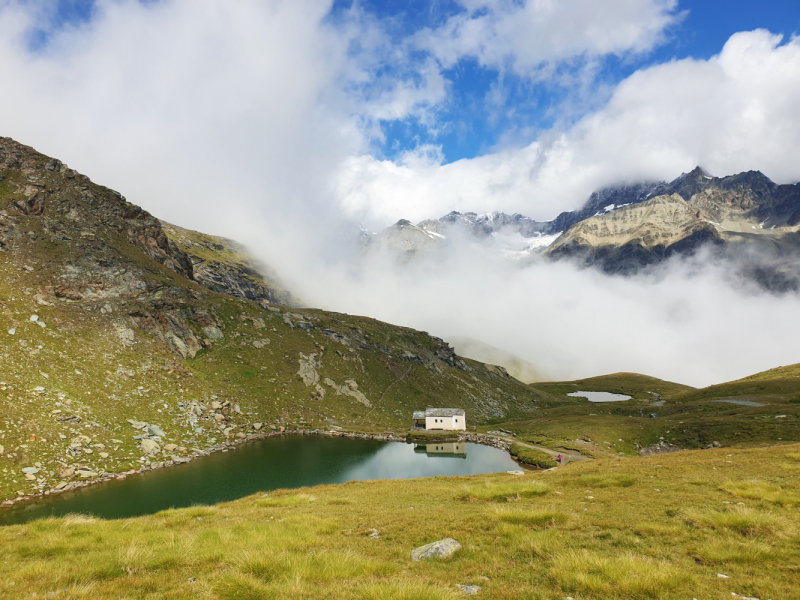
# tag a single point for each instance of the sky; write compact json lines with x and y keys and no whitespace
{"x":286,"y":124}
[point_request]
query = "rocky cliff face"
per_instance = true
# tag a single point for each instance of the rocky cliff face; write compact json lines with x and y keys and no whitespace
{"x":744,"y":212}
{"x":228,"y":267}
{"x":66,"y":206}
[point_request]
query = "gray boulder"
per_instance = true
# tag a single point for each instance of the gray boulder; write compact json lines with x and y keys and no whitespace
{"x":150,"y":447}
{"x":441,"y":549}
{"x":470,"y":590}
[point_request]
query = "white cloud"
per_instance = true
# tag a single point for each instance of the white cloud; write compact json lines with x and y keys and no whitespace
{"x":252,"y":119}
{"x":734,"y":112}
{"x":527,"y":35}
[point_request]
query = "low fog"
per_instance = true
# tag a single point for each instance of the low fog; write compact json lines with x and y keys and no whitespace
{"x":695,"y":321}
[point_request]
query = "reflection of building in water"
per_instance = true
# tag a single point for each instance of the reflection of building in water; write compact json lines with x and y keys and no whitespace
{"x":440,"y":418}
{"x":451,"y":449}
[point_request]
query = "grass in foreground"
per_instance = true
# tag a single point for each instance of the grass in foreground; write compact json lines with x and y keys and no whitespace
{"x":656,"y":527}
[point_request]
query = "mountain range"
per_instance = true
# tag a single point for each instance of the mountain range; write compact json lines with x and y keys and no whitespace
{"x":627,"y":228}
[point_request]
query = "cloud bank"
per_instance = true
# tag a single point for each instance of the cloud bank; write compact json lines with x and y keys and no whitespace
{"x":735,"y":112}
{"x":259,"y":120}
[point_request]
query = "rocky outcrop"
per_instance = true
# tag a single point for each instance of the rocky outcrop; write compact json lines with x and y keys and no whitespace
{"x":46,"y":188}
{"x":228,"y":267}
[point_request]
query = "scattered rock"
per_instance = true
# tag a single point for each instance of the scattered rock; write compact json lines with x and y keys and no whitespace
{"x":155,"y":430}
{"x":104,"y":455}
{"x":516,"y":472}
{"x":170,"y":447}
{"x":440,"y":549}
{"x":258,"y":344}
{"x":12,"y":331}
{"x":256,"y":426}
{"x":213,"y":333}
{"x":470,"y":590}
{"x":308,"y":369}
{"x":349,"y":388}
{"x":86,"y":473}
{"x":721,"y":576}
{"x":30,"y":470}
{"x":150,"y":447}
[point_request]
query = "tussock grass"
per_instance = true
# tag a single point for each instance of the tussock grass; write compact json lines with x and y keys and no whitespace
{"x":739,"y":519}
{"x":794,"y":456}
{"x":761,"y":490}
{"x":314,"y":567}
{"x":273,"y":501}
{"x":730,"y":549}
{"x":619,"y":575}
{"x":504,"y":491}
{"x":406,"y":590}
{"x":605,"y":480}
{"x":531,"y":518}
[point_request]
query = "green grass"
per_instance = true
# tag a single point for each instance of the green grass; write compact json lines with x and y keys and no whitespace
{"x":534,"y":536}
{"x":532,"y":457}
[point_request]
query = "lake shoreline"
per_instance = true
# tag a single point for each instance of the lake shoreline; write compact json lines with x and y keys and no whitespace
{"x":476,"y":438}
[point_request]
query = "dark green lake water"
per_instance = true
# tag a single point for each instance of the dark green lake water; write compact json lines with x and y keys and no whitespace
{"x":279,"y":462}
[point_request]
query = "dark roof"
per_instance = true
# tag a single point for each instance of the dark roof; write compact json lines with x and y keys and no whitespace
{"x":444,"y":412}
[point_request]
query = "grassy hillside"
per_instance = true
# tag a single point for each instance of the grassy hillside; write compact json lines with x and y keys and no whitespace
{"x":701,"y":524}
{"x":102,"y":322}
{"x":661,"y":416}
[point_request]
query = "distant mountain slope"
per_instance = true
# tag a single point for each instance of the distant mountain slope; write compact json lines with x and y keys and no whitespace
{"x":624,"y":228}
{"x":744,"y":211}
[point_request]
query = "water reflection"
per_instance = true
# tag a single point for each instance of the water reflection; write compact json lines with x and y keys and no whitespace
{"x":280,"y":462}
{"x":600,"y":396}
{"x":443,"y":449}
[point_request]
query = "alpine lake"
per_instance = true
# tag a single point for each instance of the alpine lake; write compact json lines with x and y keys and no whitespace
{"x":290,"y":461}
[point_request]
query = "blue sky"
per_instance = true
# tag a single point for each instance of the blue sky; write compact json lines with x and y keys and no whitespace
{"x":468,"y":122}
{"x":475,"y":128}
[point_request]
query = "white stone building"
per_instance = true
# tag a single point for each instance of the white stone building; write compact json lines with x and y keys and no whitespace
{"x":446,"y":419}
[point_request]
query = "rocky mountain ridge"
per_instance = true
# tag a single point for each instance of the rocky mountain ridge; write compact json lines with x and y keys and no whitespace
{"x":745,"y":212}
{"x":745,"y":218}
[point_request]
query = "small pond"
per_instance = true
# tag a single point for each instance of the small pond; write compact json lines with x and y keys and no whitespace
{"x":279,"y":462}
{"x":739,"y":402}
{"x":600,"y":396}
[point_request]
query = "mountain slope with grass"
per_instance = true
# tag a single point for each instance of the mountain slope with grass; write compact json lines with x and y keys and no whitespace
{"x":116,"y":356}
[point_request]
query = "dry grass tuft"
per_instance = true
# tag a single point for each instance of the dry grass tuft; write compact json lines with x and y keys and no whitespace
{"x":615,"y":575}
{"x":504,"y":491}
